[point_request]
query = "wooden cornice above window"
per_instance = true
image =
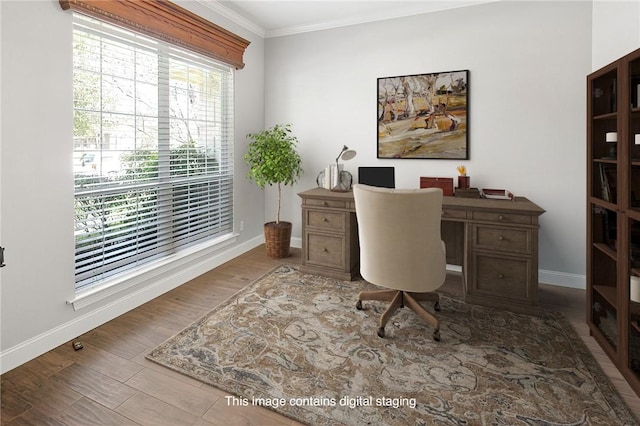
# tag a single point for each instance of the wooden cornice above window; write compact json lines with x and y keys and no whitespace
{"x":169,"y":22}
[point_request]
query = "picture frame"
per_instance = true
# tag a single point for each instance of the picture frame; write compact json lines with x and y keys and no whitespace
{"x":424,"y":116}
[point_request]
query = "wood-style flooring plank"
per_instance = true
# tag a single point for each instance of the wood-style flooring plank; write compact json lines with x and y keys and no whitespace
{"x":146,"y":410}
{"x":88,"y":412}
{"x":110,"y":382}
{"x":94,"y":385}
{"x":174,"y":392}
{"x":99,"y":360}
{"x":113,"y":338}
{"x":13,"y":405}
{"x":225,"y":414}
{"x":36,"y":417}
{"x":39,"y":390}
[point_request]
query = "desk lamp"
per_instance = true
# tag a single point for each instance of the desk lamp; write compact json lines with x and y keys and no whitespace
{"x":346,"y":154}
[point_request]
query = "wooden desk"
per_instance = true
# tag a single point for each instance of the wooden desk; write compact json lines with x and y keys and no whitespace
{"x":495,"y":242}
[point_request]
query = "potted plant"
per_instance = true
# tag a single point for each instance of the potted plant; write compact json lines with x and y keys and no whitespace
{"x":273,"y":159}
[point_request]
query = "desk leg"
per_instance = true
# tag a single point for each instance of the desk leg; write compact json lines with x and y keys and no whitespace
{"x":453,"y":235}
{"x":467,"y":268}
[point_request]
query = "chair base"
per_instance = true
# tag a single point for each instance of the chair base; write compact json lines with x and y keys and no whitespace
{"x":399,"y":299}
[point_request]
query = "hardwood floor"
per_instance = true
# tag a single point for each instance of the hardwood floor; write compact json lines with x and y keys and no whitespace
{"x":110,"y":382}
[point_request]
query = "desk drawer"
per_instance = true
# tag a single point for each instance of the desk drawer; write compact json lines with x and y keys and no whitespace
{"x":334,"y":204}
{"x":518,"y":219}
{"x":510,"y":240}
{"x":502,"y":277}
{"x":326,"y":220}
{"x":453,"y":214}
{"x":325,"y":250}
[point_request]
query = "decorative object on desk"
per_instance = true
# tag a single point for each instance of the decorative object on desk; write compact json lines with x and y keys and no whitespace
{"x":464,"y":181}
{"x":321,"y":179}
{"x":292,"y":335}
{"x":423,"y":116}
{"x":468,"y":193}
{"x":273,"y":159}
{"x":497,"y":194}
{"x":333,"y":177}
{"x":344,"y":184}
{"x":339,"y":179}
{"x":612,"y":138}
{"x":446,"y":184}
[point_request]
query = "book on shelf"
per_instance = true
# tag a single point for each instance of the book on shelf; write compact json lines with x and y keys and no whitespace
{"x":608,"y":182}
{"x":604,"y":186}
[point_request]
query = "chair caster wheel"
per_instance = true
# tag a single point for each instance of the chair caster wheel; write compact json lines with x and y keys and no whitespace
{"x":436,"y":306}
{"x":381,"y":332}
{"x":359,"y":305}
{"x":436,"y":335}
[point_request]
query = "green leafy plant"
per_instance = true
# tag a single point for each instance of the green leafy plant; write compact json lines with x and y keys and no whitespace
{"x":273,"y":159}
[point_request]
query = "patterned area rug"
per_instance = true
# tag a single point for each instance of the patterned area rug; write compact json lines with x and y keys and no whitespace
{"x":295,"y":343}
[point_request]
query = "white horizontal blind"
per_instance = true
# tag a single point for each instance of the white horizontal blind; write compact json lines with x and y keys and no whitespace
{"x":153,"y":149}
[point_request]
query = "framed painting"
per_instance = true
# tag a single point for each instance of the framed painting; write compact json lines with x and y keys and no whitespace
{"x":424,"y":116}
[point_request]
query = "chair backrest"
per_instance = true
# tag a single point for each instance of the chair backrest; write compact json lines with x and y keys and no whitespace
{"x":399,"y":234}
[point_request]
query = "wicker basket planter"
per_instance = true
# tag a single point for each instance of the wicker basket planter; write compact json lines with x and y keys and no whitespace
{"x":277,"y":237}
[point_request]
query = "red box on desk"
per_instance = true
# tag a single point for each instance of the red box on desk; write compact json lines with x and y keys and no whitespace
{"x":446,"y":184}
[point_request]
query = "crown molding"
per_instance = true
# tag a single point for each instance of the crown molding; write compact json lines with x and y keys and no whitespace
{"x":234,"y":17}
{"x":420,"y":9}
{"x":427,"y":7}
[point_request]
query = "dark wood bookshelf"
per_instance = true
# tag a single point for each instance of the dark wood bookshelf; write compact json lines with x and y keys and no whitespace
{"x":613,"y":212}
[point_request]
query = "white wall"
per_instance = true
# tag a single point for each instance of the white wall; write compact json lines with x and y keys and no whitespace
{"x":616,"y":30}
{"x":527,"y":63}
{"x":36,"y":220}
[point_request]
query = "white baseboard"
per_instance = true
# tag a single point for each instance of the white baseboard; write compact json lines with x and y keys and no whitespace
{"x":296,"y":242}
{"x":562,"y":279}
{"x":36,"y":346}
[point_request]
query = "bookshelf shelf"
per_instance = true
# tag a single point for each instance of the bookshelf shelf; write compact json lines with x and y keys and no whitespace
{"x":607,"y":115}
{"x":609,"y":251}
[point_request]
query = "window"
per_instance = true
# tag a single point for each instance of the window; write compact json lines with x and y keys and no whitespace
{"x":153,"y":150}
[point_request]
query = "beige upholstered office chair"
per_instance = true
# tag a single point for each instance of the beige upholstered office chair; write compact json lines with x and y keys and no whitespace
{"x":401,"y":249}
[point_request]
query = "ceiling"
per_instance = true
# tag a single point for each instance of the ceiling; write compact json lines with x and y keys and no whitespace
{"x":273,"y":18}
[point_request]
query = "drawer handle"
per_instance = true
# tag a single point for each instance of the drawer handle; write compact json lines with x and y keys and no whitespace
{"x":324,"y":203}
{"x":444,"y":213}
{"x":324,"y":250}
{"x":500,"y":275}
{"x":500,"y":217}
{"x":500,"y":238}
{"x":324,"y":219}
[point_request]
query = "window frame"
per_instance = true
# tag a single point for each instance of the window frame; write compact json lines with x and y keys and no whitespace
{"x":122,"y":282}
